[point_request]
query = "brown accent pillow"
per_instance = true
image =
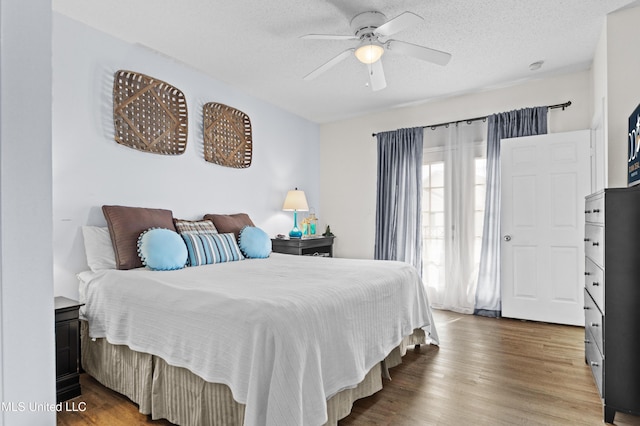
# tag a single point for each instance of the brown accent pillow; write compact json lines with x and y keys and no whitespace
{"x":125,"y":226}
{"x":226,"y":223}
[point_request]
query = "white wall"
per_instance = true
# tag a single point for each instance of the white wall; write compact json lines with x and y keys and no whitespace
{"x":348,"y":151}
{"x":599,"y":164}
{"x":599,"y":70}
{"x":90,"y":169}
{"x":27,"y":365}
{"x":623,"y":90}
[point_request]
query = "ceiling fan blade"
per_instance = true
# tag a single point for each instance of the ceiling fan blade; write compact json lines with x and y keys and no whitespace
{"x":329,"y":64}
{"x":398,"y":23}
{"x":420,"y":52}
{"x":376,"y":76}
{"x":328,"y":37}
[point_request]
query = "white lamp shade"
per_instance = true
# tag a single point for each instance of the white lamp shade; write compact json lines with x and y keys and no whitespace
{"x":295,"y":201}
{"x":369,"y":53}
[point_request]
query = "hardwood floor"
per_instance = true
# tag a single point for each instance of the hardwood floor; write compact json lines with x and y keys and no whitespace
{"x":486,"y":371}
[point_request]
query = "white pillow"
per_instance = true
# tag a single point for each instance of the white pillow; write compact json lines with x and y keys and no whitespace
{"x":98,"y":248}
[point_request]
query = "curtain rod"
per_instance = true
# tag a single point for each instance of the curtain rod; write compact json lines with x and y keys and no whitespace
{"x":471,"y":120}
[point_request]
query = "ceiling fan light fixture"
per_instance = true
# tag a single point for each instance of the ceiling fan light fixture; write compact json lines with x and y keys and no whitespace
{"x":369,"y":53}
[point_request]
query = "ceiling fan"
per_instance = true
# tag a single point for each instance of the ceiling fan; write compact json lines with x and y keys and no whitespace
{"x":372,"y":29}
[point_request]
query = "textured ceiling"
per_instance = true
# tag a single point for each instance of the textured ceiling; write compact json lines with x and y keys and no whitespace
{"x":255,"y":45}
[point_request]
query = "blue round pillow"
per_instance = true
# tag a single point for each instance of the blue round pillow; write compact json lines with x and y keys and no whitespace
{"x":254,"y":242}
{"x":162,"y":249}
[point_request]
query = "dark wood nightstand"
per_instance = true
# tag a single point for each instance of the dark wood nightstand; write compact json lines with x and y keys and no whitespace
{"x":67,"y":349}
{"x":316,"y":246}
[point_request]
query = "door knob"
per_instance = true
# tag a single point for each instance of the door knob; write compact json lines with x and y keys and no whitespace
{"x":507,"y":237}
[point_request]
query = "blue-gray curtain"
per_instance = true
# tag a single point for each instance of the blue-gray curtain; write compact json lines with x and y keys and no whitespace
{"x":399,"y":197}
{"x":523,"y":122}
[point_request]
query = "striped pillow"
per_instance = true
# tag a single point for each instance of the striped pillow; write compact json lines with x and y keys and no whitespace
{"x":205,"y":249}
{"x":195,"y":226}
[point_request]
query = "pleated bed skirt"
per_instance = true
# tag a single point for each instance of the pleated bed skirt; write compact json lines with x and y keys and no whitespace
{"x":176,"y":394}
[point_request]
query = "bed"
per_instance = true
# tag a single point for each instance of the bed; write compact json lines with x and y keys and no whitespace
{"x":280,"y":340}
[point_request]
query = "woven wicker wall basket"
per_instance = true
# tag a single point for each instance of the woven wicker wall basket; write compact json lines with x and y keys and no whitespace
{"x":148,"y":114}
{"x":227,"y":136}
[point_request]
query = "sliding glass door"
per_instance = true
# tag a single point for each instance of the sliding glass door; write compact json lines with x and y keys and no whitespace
{"x":452,"y":213}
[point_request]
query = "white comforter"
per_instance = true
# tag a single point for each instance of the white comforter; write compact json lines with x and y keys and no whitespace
{"x":284,"y":333}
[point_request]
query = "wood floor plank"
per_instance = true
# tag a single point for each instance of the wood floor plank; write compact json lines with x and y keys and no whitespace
{"x":486,"y":371}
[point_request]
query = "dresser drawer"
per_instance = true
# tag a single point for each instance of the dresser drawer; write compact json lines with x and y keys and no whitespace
{"x":593,"y":320}
{"x":594,"y":209}
{"x":594,"y":243}
{"x":594,"y":360}
{"x":594,"y":282}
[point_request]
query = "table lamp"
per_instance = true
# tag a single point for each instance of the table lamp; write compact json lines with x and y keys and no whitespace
{"x":295,"y":201}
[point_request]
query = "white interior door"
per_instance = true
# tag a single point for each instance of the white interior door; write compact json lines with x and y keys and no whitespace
{"x":544,"y":181}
